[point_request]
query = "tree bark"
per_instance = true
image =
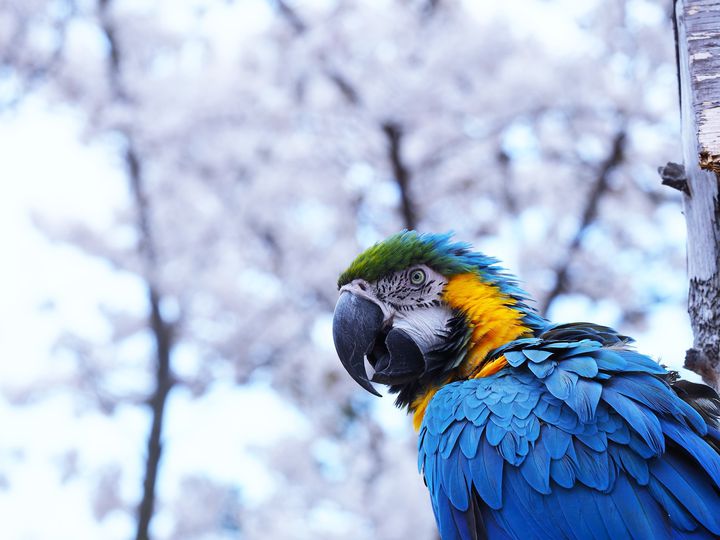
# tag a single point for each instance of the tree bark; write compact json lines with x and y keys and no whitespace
{"x":698,"y":46}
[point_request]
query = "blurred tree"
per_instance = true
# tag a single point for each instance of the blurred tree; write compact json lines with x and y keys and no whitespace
{"x":161,"y":328}
{"x":266,"y":143}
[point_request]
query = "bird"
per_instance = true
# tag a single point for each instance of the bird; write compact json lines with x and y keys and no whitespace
{"x":526,"y":429}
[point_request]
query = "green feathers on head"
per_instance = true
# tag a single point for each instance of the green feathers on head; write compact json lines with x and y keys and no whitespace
{"x":408,"y":248}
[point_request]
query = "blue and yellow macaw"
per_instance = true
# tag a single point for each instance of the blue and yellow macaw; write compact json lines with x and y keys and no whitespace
{"x":526,"y":429}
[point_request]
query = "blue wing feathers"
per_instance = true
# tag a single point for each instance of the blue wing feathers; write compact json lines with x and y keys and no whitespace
{"x":549,"y":411}
{"x":655,"y":395}
{"x":469,"y":441}
{"x":690,"y":487}
{"x":619,"y":432}
{"x":525,"y":508}
{"x":494,"y":433}
{"x":641,"y":514}
{"x":492,"y":527}
{"x":611,"y":361}
{"x":486,"y":471}
{"x":461,"y":523}
{"x":563,"y":472}
{"x":542,"y":370}
{"x":568,"y":420}
{"x":585,"y":366}
{"x":635,"y":465}
{"x":561,"y":383}
{"x":584,"y":399}
{"x":445,"y":516}
{"x":537,"y":355}
{"x":454,"y":481}
{"x":592,"y":468}
{"x":508,"y":448}
{"x":681,"y":519}
{"x":536,"y":470}
{"x":449,"y":439}
{"x":604,"y":506}
{"x":641,"y":363}
{"x":573,"y":440}
{"x":694,"y":445}
{"x":554,"y":440}
{"x":574,"y":505}
{"x":596,"y":440}
{"x":515,"y":358}
{"x":640,"y":419}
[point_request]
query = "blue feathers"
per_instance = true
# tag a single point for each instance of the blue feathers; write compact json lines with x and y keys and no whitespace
{"x":487,"y":472}
{"x":573,"y":439}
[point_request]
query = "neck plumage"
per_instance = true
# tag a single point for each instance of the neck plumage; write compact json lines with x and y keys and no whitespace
{"x":494,"y":318}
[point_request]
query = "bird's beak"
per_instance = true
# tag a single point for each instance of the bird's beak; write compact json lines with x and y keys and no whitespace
{"x":358,"y":332}
{"x":399,"y":361}
{"x":356,"y":323}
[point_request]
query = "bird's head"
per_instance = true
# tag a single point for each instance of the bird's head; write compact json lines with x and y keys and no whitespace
{"x":418,"y":310}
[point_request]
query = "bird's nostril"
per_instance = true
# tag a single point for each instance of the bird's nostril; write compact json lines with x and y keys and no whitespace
{"x":362,"y":285}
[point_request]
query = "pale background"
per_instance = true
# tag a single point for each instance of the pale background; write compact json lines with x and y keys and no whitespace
{"x":276,"y":140}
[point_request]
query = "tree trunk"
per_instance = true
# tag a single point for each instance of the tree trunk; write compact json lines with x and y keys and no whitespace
{"x":698,"y":47}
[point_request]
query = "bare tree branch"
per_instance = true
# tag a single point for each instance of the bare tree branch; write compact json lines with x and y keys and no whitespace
{"x":599,"y":188}
{"x":347,"y":90}
{"x":161,"y":329}
{"x":503,"y":163}
{"x":114,"y":69}
{"x":401,"y":172}
{"x":289,"y":15}
{"x":394,"y":135}
{"x":431,"y":6}
{"x":673,"y":175}
{"x":162,"y":332}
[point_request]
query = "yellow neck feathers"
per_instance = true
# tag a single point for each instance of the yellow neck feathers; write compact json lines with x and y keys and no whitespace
{"x":490,"y":313}
{"x":493,"y":321}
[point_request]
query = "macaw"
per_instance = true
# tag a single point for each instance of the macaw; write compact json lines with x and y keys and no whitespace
{"x":527,"y":429}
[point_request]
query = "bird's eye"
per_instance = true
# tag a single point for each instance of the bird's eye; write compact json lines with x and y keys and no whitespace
{"x":417,"y":277}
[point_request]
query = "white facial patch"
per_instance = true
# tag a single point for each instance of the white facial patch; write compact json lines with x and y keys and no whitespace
{"x":422,"y":324}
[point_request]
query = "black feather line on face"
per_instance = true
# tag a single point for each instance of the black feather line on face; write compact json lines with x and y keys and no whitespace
{"x":447,"y":355}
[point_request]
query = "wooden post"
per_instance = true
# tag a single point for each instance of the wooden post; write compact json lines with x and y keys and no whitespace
{"x":698,"y":43}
